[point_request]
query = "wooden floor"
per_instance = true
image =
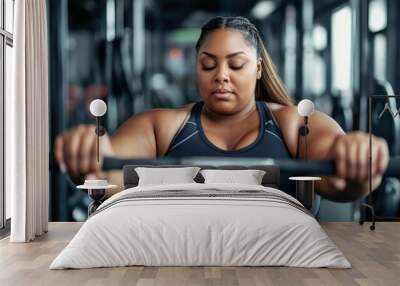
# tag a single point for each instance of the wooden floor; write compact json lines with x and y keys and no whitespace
{"x":374,"y":255}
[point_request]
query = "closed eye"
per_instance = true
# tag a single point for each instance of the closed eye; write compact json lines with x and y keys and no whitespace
{"x":237,"y":67}
{"x":208,"y":68}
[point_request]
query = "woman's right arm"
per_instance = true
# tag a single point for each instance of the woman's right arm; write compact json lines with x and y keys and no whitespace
{"x":145,"y":135}
{"x":76,"y":148}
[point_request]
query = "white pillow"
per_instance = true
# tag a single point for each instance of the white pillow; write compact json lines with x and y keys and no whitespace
{"x":248,"y":177}
{"x":162,"y":176}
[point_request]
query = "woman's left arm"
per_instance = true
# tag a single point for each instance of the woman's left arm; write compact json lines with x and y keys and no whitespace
{"x":350,"y":152}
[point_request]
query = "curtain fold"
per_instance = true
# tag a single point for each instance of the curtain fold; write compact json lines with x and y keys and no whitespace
{"x":28,"y":174}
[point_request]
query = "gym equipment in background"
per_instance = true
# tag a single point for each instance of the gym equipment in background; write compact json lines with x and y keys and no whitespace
{"x":389,"y":104}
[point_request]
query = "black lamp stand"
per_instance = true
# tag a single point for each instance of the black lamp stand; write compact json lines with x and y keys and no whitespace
{"x":100,"y":131}
{"x":303,"y":132}
{"x":97,"y":196}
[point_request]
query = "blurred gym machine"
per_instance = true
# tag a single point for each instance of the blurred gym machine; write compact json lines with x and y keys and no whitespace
{"x":385,"y":122}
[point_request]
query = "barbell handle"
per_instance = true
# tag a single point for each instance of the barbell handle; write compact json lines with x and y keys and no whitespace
{"x":294,"y":167}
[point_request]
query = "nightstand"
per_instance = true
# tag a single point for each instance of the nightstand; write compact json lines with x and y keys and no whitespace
{"x":305,"y":190}
{"x":96,"y":190}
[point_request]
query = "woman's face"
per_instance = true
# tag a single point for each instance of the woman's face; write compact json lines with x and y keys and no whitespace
{"x":227,"y":70}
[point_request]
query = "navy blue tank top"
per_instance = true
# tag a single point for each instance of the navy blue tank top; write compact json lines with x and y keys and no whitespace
{"x":190,"y":140}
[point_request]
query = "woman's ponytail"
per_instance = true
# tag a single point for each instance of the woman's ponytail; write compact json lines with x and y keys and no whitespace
{"x":270,"y":87}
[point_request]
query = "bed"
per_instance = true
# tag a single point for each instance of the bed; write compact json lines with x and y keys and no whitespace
{"x":199,"y":224}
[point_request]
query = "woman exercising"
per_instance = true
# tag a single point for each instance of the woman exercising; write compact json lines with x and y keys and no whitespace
{"x":245,"y":112}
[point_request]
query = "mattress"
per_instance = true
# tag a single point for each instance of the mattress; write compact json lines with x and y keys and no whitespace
{"x":201,"y":225}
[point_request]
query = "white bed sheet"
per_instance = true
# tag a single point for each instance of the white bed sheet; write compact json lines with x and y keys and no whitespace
{"x":189,"y":231}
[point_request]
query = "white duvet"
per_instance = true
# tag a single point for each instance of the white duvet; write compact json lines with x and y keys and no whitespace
{"x":201,"y":224}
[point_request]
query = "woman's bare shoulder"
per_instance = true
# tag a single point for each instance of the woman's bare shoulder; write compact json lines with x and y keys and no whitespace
{"x":288,"y":114}
{"x":277,"y":107}
{"x":284,"y":114}
{"x":158,"y":117}
{"x":161,"y":114}
{"x":323,"y":128}
{"x":166,"y":123}
{"x":151,"y":130}
{"x":321,"y":125}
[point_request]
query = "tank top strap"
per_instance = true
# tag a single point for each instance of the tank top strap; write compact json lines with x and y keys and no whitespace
{"x":193,"y":113}
{"x":197,"y":112}
{"x":269,"y":116}
{"x":187,"y":126}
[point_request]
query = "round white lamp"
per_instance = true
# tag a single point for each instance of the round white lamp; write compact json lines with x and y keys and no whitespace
{"x":98,"y":107}
{"x":305,"y":107}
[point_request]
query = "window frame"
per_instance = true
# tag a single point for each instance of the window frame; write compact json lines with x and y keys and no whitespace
{"x":6,"y":39}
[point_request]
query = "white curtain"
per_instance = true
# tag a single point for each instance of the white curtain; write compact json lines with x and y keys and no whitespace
{"x":27,"y":136}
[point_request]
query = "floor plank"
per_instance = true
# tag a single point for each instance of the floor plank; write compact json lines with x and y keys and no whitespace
{"x":374,"y":255}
